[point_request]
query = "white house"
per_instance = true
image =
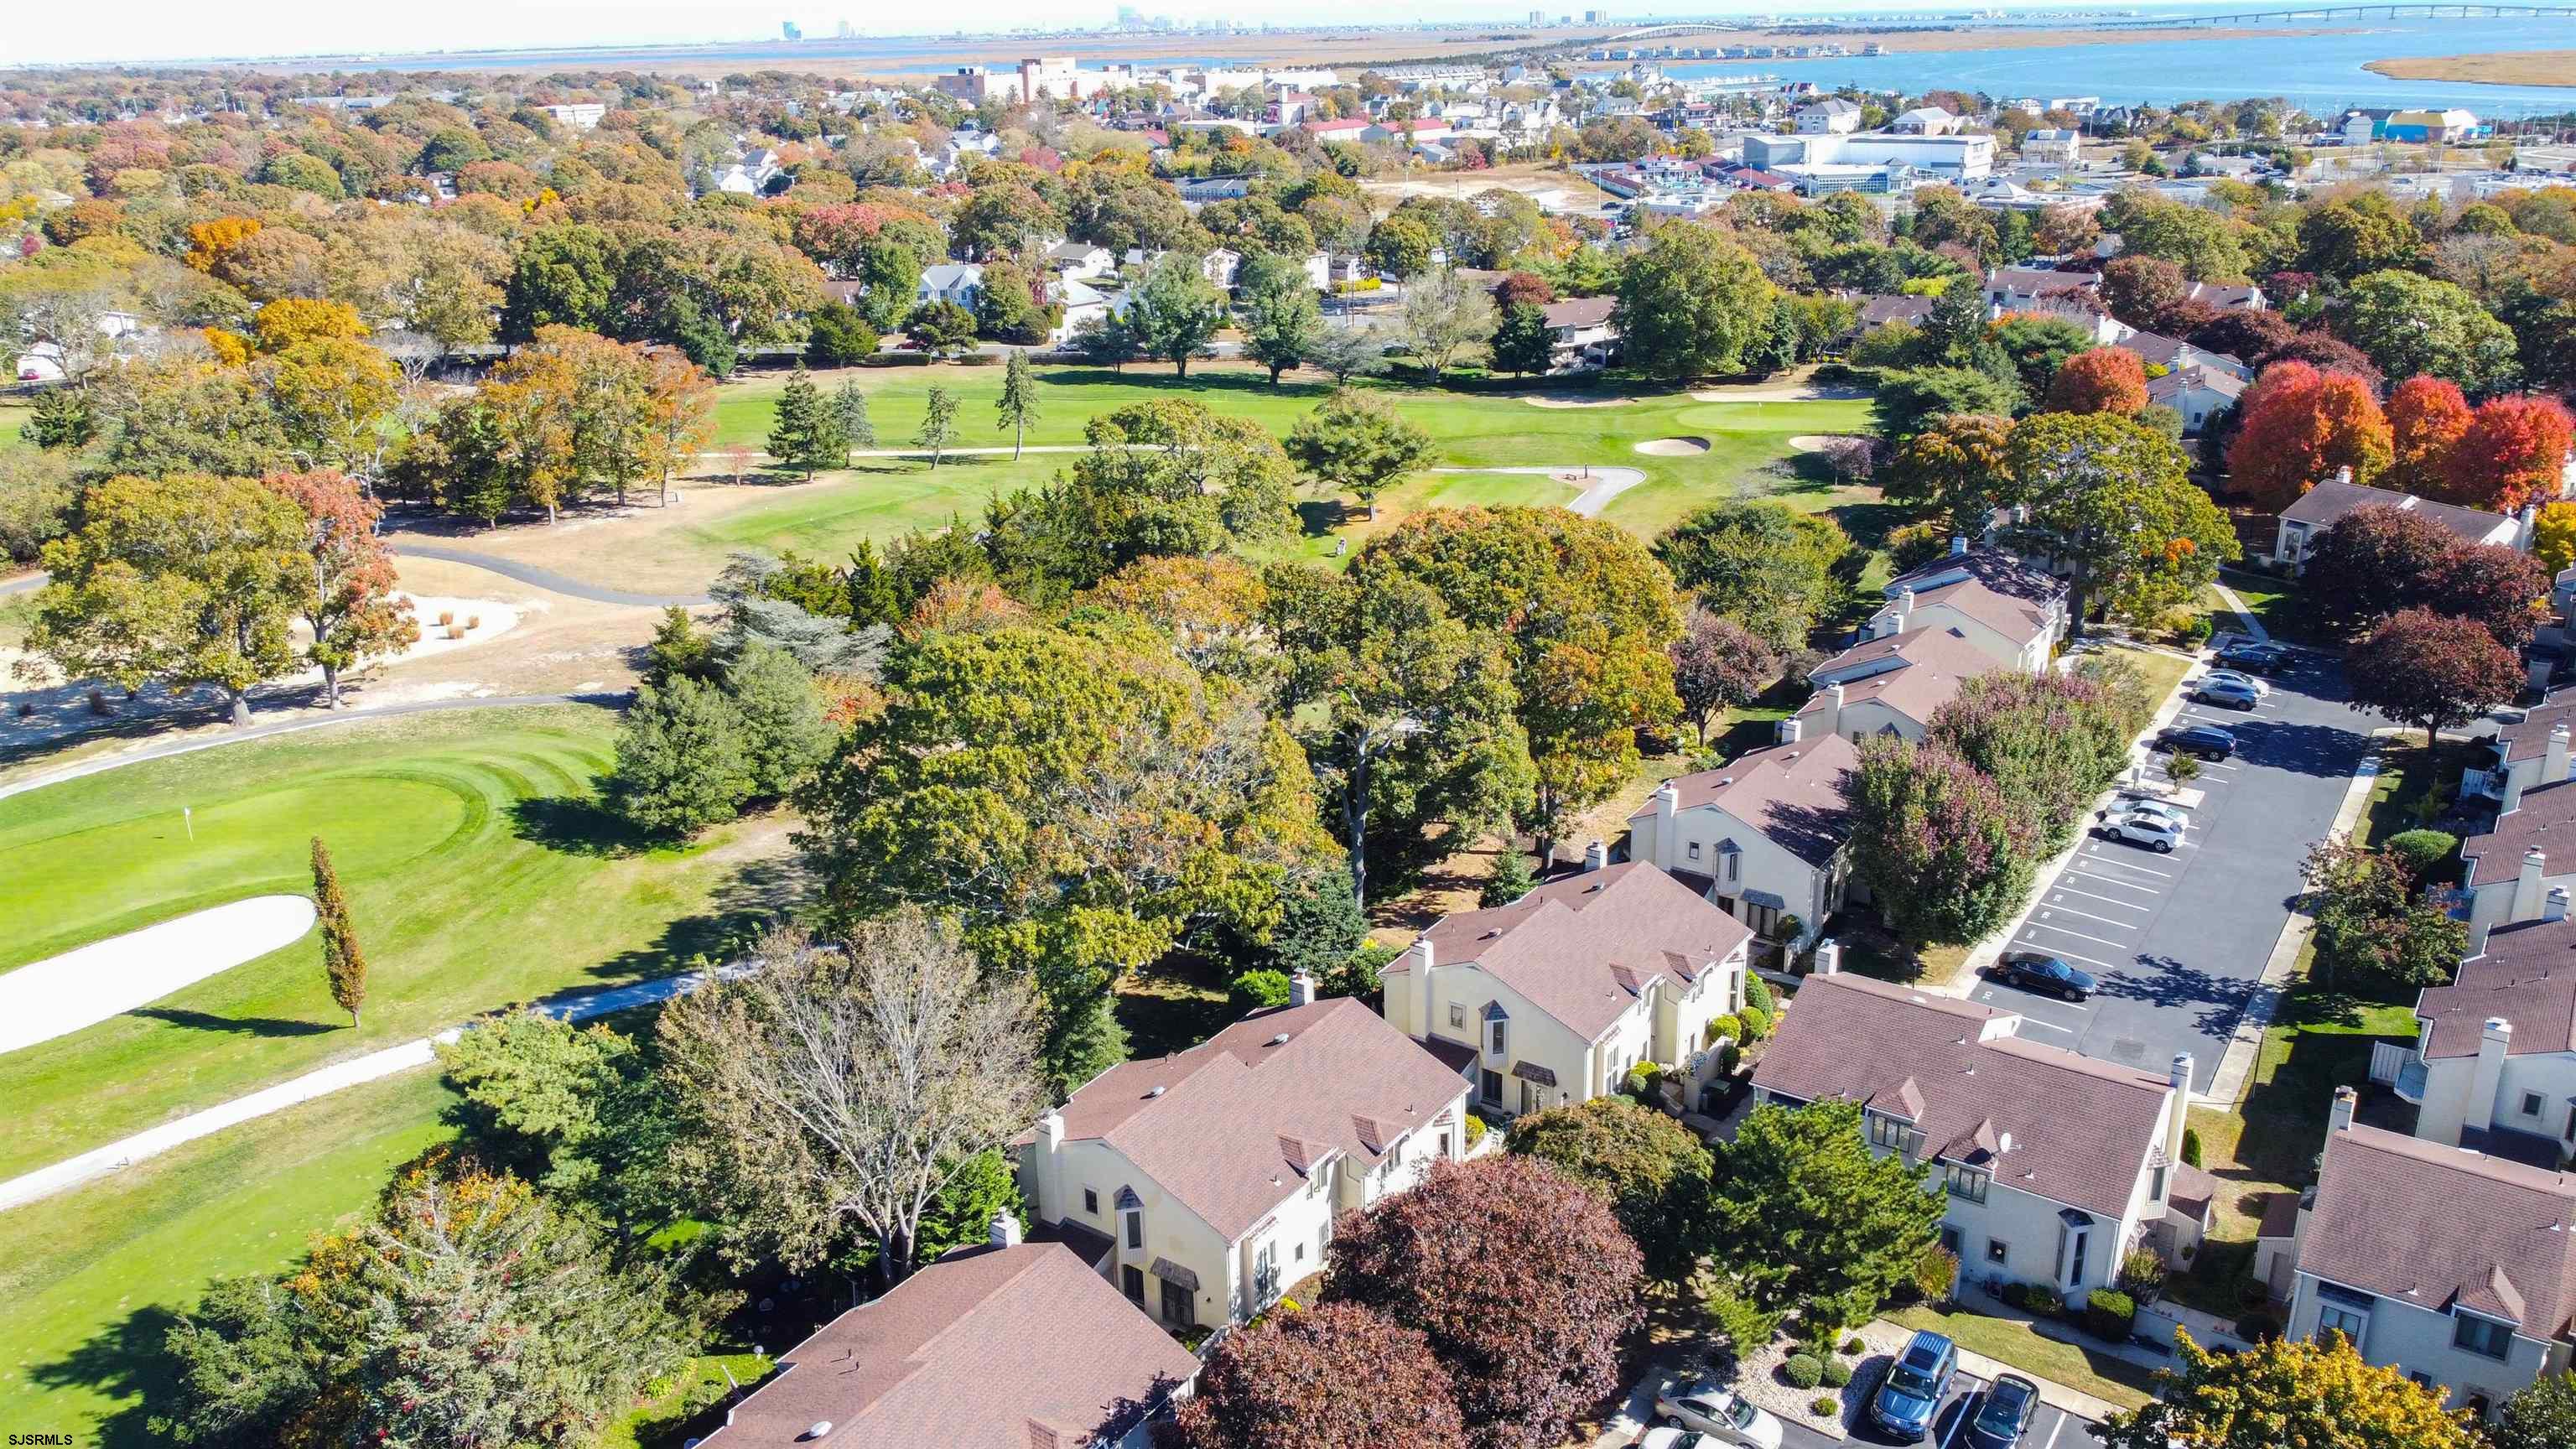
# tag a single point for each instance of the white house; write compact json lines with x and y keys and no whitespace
{"x":1582,"y":334}
{"x":2055,"y":146}
{"x":1203,"y":1183}
{"x":1008,"y":1346}
{"x":2494,"y":1061}
{"x":2328,"y":503}
{"x":2197,"y":393}
{"x":1551,"y":999}
{"x":1924,"y":121}
{"x":958,"y":282}
{"x":2055,"y":1165}
{"x":2456,"y":1267}
{"x":1888,"y":685}
{"x":45,"y":357}
{"x":1081,"y":259}
{"x":1763,"y":838}
{"x":1832,"y":116}
{"x":2013,"y":611}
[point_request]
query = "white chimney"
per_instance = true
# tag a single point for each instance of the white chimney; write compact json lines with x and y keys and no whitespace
{"x":1005,"y":1232}
{"x":1050,"y":1205}
{"x":2527,"y":893}
{"x":2486,"y":1083}
{"x":2553,"y":907}
{"x":2553,"y":764}
{"x":2343,"y":474}
{"x":1828,"y":958}
{"x":1904,"y":616}
{"x":2339,"y":1116}
{"x":1595,"y":856}
{"x":1418,"y":962}
{"x":1958,"y":545}
{"x":1668,"y":804}
{"x":2178,"y":1110}
{"x":1788,"y":730}
{"x":1301,"y":989}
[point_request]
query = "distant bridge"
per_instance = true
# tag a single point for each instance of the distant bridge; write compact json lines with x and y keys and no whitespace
{"x":1678,"y":27}
{"x":2337,"y":12}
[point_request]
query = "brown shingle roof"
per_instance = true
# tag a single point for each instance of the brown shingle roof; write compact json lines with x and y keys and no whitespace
{"x":2000,"y":591}
{"x":967,"y":1354}
{"x":2528,"y":738}
{"x":1582,"y":947}
{"x":2546,"y":817}
{"x":2280,"y":1215}
{"x":2527,"y":975}
{"x":2080,"y":1130}
{"x":1934,"y":662}
{"x":1230,"y":1127}
{"x":2326,"y":503}
{"x":1580,"y":312}
{"x":1793,"y":794}
{"x":2430,"y":1225}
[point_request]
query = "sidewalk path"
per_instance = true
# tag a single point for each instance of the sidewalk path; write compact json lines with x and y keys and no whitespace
{"x":546,"y":579}
{"x":116,"y":1156}
{"x":1606,"y":481}
{"x":2244,"y":615}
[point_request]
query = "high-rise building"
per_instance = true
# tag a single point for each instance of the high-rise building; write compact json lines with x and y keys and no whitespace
{"x":791,"y":30}
{"x":1130,"y":18}
{"x":842,"y":31}
{"x":1538,"y":17}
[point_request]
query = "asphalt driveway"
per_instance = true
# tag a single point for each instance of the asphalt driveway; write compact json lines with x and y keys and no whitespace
{"x":2178,"y":941}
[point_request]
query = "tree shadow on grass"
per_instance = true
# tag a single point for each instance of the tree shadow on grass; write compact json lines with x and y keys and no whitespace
{"x":578,"y":825}
{"x":1317,"y":517}
{"x":759,"y":896}
{"x":125,"y":1360}
{"x":1867,"y":523}
{"x":267,"y":1026}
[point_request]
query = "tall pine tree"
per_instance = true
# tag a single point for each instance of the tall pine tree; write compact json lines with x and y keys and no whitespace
{"x":938,"y":423}
{"x":343,"y":962}
{"x":806,"y":434}
{"x":1018,"y":404}
{"x":850,"y":410}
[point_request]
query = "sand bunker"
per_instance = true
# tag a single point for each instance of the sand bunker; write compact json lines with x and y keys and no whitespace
{"x":61,"y":994}
{"x":1573,"y":400}
{"x":1673,"y":447}
{"x":1815,"y":442}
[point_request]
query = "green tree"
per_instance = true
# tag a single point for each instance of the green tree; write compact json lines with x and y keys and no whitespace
{"x":1808,"y":1217}
{"x":180,"y":580}
{"x":1652,"y":1170}
{"x":850,"y":415}
{"x":2115,"y":498}
{"x":1281,"y":321}
{"x":1953,"y":469}
{"x":1175,"y":311}
{"x":1913,"y":399}
{"x":562,"y":275}
{"x":981,"y":1188}
{"x":2540,"y":1415}
{"x":1443,"y":314}
{"x":1161,"y":478}
{"x":938,"y":423}
{"x":785,"y":733}
{"x":2411,"y":325}
{"x":344,"y":964}
{"x":1524,"y":343}
{"x":2289,"y":1391}
{"x":575,"y":1110}
{"x":1344,"y":353}
{"x":839,"y":335}
{"x":680,"y":649}
{"x":1018,"y":404}
{"x":1762,"y":564}
{"x":1358,"y":441}
{"x":1691,"y":304}
{"x":680,"y":765}
{"x":1947,"y":856}
{"x":2375,"y":928}
{"x":1512,"y":878}
{"x":941,"y":327}
{"x":36,"y":498}
{"x":804,"y":433}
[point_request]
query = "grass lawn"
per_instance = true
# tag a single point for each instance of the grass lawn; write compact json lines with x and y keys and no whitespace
{"x":2013,"y":1342}
{"x":94,"y":1277}
{"x":13,"y":415}
{"x":478,"y":868}
{"x":2274,"y":600}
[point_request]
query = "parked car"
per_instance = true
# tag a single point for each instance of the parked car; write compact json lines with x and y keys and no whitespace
{"x":2036,"y":971}
{"x":1675,"y":1439}
{"x":2152,"y":831}
{"x":2257,"y":658}
{"x":1915,"y":1386}
{"x":1711,"y":1409}
{"x":2226,"y":694}
{"x":2004,"y":1414}
{"x":2180,"y":817}
{"x":2232,"y":676}
{"x":2209,"y":742}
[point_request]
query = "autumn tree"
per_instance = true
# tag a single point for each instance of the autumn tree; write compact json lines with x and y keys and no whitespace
{"x":1337,"y":1376}
{"x":352,"y":611}
{"x":2139,"y":290}
{"x":2104,"y":380}
{"x":1947,"y":856}
{"x":1360,"y":442}
{"x":2296,"y":426}
{"x":1808,"y":1217}
{"x":1530,"y":1338}
{"x":333,"y":398}
{"x":1443,"y":315}
{"x":839,"y":1084}
{"x":2376,"y":928}
{"x":2424,"y":668}
{"x":2514,"y":452}
{"x":2369,"y":564}
{"x":180,"y":580}
{"x":344,"y":962}
{"x":2114,"y":498}
{"x":1718,"y":664}
{"x":1953,"y":470}
{"x":2426,"y":418}
{"x":2320,"y":1395}
{"x":1169,"y":476}
{"x":679,"y":417}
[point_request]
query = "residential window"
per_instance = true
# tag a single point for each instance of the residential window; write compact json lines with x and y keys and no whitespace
{"x":1997,"y":1250}
{"x":1091,"y":1202}
{"x":2352,"y":1323}
{"x":1134,"y":1222}
{"x":1493,"y":1087}
{"x":2156,"y":1186}
{"x":1950,"y":1239}
{"x":1132,"y":1279}
{"x":1969,"y":1183}
{"x":2482,"y":1336}
{"x":1457,"y":1016}
{"x":2531,"y":1104}
{"x":1496,"y":1036}
{"x":1694,"y":850}
{"x":1885,"y":1131}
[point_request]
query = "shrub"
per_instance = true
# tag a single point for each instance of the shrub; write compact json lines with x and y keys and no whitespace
{"x":1729,"y":1027}
{"x":1254,"y":990}
{"x":1757,"y":994}
{"x":1825,"y":1406}
{"x":1802,"y":1371}
{"x":1475,"y":1129}
{"x":1641,"y":1080}
{"x":2041,"y":1299}
{"x":2110,"y":1314}
{"x":1855,"y":1347}
{"x":1934,"y":1275}
{"x":2191,"y":1146}
{"x":2258,"y":1328}
{"x":2142,"y":1273}
{"x":2196,"y":632}
{"x":2420,"y":851}
{"x":1757,"y":1023}
{"x":2015,"y":1295}
{"x":1739,"y":1323}
{"x":1837,"y":1373}
{"x":1728,"y":1055}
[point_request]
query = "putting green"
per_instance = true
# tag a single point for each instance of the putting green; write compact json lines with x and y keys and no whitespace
{"x":477,"y":868}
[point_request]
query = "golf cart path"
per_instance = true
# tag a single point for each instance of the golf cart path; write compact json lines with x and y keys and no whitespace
{"x":125,"y":1152}
{"x":88,"y":984}
{"x":1609,"y":480}
{"x":546,"y":579}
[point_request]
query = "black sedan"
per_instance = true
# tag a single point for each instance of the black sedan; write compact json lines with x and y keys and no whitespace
{"x":2004,"y":1413}
{"x":2207,"y":741}
{"x":2032,"y":971}
{"x":2256,"y":658}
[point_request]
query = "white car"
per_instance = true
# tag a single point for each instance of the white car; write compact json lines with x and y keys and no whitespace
{"x":2154,"y":832}
{"x":1715,"y":1417}
{"x":2233,"y":676}
{"x":2175,"y":815}
{"x":1676,"y":1439}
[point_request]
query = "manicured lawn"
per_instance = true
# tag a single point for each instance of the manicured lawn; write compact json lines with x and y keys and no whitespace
{"x":2160,"y":670}
{"x":478,"y":868}
{"x":94,"y":1277}
{"x":2274,"y":600}
{"x":2013,"y":1342}
{"x":674,"y":1416}
{"x":13,"y":415}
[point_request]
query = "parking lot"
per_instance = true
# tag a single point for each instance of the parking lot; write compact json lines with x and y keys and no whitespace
{"x":2050,"y":1428}
{"x":2177,"y":941}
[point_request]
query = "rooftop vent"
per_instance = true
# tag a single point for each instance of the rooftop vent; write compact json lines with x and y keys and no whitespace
{"x":1280,"y":1040}
{"x":1154,"y":1092}
{"x":816,"y":1430}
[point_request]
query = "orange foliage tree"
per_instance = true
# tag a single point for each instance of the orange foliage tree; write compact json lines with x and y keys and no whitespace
{"x":2300,"y":425}
{"x":2515,"y":452}
{"x":2426,"y":416}
{"x":2103,"y":380}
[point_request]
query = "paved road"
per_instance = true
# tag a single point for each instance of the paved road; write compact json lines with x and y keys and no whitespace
{"x":546,"y":579}
{"x":2179,"y":940}
{"x":2050,"y":1428}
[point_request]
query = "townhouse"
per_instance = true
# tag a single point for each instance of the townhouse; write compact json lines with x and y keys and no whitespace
{"x":1011,"y":1345}
{"x":1887,"y":685}
{"x":2494,"y":1061}
{"x":1551,"y":999}
{"x":2009,"y":608}
{"x":2197,"y":394}
{"x":1581,"y":334}
{"x":1203,"y":1183}
{"x":2330,"y":502}
{"x":1764,"y":839}
{"x":2053,"y":1165}
{"x":2457,"y":1268}
{"x":2524,"y":864}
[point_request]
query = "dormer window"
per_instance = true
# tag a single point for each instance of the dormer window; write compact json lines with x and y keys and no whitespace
{"x":1885,"y":1131}
{"x":2484,"y":1337}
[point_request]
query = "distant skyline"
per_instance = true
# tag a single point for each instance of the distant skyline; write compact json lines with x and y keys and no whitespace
{"x":165,"y":30}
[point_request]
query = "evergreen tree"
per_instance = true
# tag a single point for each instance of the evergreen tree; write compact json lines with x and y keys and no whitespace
{"x":938,"y":423}
{"x":1808,"y":1217}
{"x":850,"y":411}
{"x":1511,"y":880}
{"x":785,"y":734}
{"x":680,"y":763}
{"x":961,"y":1216}
{"x":1523,"y":344}
{"x":61,"y":419}
{"x":874,"y":597}
{"x":680,"y":649}
{"x":806,"y":435}
{"x":1280,"y":322}
{"x":343,"y":962}
{"x":1018,"y":404}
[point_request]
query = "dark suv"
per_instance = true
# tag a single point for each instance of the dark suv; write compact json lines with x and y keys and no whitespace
{"x":1915,"y":1386}
{"x":2207,"y":741}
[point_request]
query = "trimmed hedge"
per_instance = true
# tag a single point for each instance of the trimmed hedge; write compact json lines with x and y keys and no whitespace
{"x":1837,"y":1373}
{"x":1826,"y":1408}
{"x":1757,"y":1023}
{"x":2110,"y":1314}
{"x":1802,"y":1371}
{"x":1757,"y":992}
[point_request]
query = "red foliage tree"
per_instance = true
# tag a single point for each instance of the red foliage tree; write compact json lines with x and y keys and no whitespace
{"x":2424,"y":668}
{"x":2298,"y":426}
{"x":1520,"y":1278}
{"x":2138,"y":290}
{"x":2243,"y":333}
{"x":2426,"y":416}
{"x":2514,"y":452}
{"x":349,"y":604}
{"x":2326,"y":354}
{"x":1718,"y":663}
{"x":1334,"y":1377}
{"x":2492,"y":585}
{"x":1527,"y":287}
{"x":2103,"y":380}
{"x":2373,"y":562}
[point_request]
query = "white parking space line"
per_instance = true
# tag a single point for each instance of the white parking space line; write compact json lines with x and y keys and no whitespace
{"x":2078,"y":935}
{"x":2061,"y":888}
{"x":2054,"y":1430}
{"x":2054,"y":909}
{"x":1958,"y":1420}
{"x":2087,"y":960}
{"x":2094,"y":856}
{"x":2115,"y":880}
